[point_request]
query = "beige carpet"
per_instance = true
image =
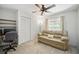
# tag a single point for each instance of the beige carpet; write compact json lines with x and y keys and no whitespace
{"x":40,"y":48}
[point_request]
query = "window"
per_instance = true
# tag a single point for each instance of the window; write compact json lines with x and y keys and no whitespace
{"x":55,"y":24}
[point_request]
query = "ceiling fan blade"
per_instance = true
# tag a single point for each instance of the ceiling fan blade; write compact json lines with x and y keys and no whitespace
{"x":51,"y":6}
{"x":48,"y":11}
{"x":42,"y":6}
{"x":42,"y":13}
{"x":37,"y":5}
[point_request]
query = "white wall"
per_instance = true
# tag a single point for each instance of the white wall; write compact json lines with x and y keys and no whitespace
{"x":23,"y":26}
{"x":37,"y":25}
{"x":70,"y":22}
{"x":78,"y":27}
{"x":7,"y":14}
{"x":34,"y":27}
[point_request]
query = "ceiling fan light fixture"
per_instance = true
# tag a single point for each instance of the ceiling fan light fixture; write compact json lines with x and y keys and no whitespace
{"x":43,"y":8}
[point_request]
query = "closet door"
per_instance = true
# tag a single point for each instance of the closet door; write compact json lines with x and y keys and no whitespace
{"x":25,"y":29}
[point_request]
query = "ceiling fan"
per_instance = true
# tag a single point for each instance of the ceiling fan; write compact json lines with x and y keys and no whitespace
{"x":43,"y":8}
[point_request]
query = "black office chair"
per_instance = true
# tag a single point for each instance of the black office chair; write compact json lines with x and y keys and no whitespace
{"x":11,"y":38}
{"x":10,"y":41}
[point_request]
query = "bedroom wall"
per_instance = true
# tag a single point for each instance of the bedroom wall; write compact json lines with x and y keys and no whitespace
{"x":70,"y":25}
{"x":37,"y":25}
{"x":34,"y":27}
{"x":6,"y":13}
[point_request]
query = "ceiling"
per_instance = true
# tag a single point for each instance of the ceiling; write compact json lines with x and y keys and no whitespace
{"x":28,"y":8}
{"x":23,"y":7}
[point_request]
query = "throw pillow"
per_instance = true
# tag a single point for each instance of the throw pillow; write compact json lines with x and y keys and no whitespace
{"x":57,"y":36}
{"x":50,"y":36}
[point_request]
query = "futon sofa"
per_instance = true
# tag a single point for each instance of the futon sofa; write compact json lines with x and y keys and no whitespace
{"x":56,"y":39}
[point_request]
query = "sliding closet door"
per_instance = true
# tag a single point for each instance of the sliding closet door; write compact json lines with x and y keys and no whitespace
{"x":25,"y":29}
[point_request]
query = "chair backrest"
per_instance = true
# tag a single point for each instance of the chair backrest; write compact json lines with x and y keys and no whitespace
{"x":12,"y":35}
{"x":8,"y":30}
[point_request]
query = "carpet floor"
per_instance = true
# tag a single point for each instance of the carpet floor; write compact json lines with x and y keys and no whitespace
{"x":32,"y":47}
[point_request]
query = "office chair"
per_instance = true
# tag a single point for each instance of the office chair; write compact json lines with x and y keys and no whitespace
{"x":11,"y":38}
{"x":10,"y":41}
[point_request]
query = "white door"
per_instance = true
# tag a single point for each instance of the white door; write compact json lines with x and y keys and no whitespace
{"x":25,"y":29}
